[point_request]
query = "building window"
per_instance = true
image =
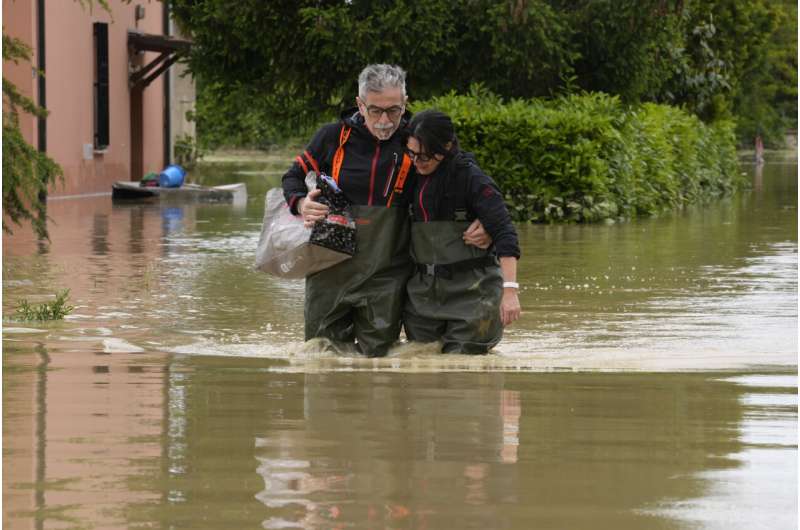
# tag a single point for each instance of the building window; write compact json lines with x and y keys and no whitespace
{"x":101,"y":120}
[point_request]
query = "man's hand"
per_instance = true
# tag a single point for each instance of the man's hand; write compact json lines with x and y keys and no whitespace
{"x":311,"y":210}
{"x":476,"y":236}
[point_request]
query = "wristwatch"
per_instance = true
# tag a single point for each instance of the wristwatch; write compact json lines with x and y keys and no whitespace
{"x":512,"y":285}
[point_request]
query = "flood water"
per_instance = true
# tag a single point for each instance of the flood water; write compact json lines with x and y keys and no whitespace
{"x":650,"y":383}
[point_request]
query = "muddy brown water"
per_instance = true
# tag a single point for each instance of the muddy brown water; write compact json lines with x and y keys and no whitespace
{"x":651,"y":382}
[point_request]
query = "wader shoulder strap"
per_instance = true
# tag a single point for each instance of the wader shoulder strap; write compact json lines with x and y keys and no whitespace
{"x":306,"y":156}
{"x":338,"y":158}
{"x":405,"y":166}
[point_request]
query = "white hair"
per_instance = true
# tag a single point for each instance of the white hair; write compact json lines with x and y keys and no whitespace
{"x":379,"y":77}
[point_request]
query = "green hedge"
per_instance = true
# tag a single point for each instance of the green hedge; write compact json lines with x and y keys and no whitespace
{"x":589,"y":157}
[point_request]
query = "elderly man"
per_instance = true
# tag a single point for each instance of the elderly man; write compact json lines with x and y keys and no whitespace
{"x":361,"y":299}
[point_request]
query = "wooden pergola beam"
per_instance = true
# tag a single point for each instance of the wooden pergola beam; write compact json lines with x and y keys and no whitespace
{"x":137,"y":76}
{"x":146,"y":42}
{"x":169,"y":50}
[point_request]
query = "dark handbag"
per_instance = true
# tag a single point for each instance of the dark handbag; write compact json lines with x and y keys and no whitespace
{"x":338,"y":230}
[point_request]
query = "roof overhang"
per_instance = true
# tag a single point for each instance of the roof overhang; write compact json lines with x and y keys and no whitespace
{"x":169,"y":48}
{"x":146,"y":42}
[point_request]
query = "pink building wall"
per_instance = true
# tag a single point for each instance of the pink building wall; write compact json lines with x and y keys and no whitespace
{"x":69,"y":56}
{"x":21,"y":23}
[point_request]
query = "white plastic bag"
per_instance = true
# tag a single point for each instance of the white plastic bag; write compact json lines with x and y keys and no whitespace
{"x":284,"y":249}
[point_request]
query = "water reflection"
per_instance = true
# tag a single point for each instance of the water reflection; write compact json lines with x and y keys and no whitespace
{"x":99,"y":236}
{"x":132,"y":439}
{"x":136,"y":240}
{"x":758,"y":177}
{"x":451,"y":450}
{"x":393,"y":451}
{"x":77,"y":438}
{"x":751,"y":494}
{"x":172,"y":218}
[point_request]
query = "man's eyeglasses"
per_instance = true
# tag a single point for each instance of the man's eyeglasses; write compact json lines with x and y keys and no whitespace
{"x":392,"y":113}
{"x":418,"y":156}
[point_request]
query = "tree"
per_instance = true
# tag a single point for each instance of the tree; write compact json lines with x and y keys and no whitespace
{"x":718,"y":58}
{"x":623,"y":47}
{"x":27,"y":173}
{"x":270,"y":69}
{"x":294,"y":63}
{"x":766,"y":100}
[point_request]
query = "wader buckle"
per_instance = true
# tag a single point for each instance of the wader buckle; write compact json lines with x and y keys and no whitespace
{"x":431,"y":269}
{"x":447,"y":271}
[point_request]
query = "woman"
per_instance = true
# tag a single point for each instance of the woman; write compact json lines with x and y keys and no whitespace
{"x":459,"y":294}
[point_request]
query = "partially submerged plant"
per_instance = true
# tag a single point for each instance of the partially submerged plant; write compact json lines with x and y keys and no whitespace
{"x":55,"y":310}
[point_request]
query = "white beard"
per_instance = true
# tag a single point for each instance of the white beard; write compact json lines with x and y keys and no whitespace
{"x":383,"y":133}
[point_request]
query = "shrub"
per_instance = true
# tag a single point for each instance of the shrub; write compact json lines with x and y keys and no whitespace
{"x":186,"y":151}
{"x":55,"y":310}
{"x":589,"y":157}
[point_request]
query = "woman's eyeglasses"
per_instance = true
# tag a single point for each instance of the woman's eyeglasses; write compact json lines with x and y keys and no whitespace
{"x":418,"y":156}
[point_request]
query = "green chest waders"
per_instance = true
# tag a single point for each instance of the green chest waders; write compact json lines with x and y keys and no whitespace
{"x":362,"y":298}
{"x":454,"y":294}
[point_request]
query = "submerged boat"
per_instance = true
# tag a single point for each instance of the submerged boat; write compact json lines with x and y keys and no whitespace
{"x":131,"y":190}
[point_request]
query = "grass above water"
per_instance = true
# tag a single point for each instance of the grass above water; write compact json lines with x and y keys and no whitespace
{"x":55,"y":310}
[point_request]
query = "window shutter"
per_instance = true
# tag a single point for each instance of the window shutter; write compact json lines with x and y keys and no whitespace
{"x":101,"y":117}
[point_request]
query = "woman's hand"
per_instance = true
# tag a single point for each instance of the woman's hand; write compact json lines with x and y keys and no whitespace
{"x":311,"y":210}
{"x":476,"y":235}
{"x":510,"y":309}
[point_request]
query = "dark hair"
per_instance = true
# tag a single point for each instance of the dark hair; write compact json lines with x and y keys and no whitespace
{"x":433,"y":130}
